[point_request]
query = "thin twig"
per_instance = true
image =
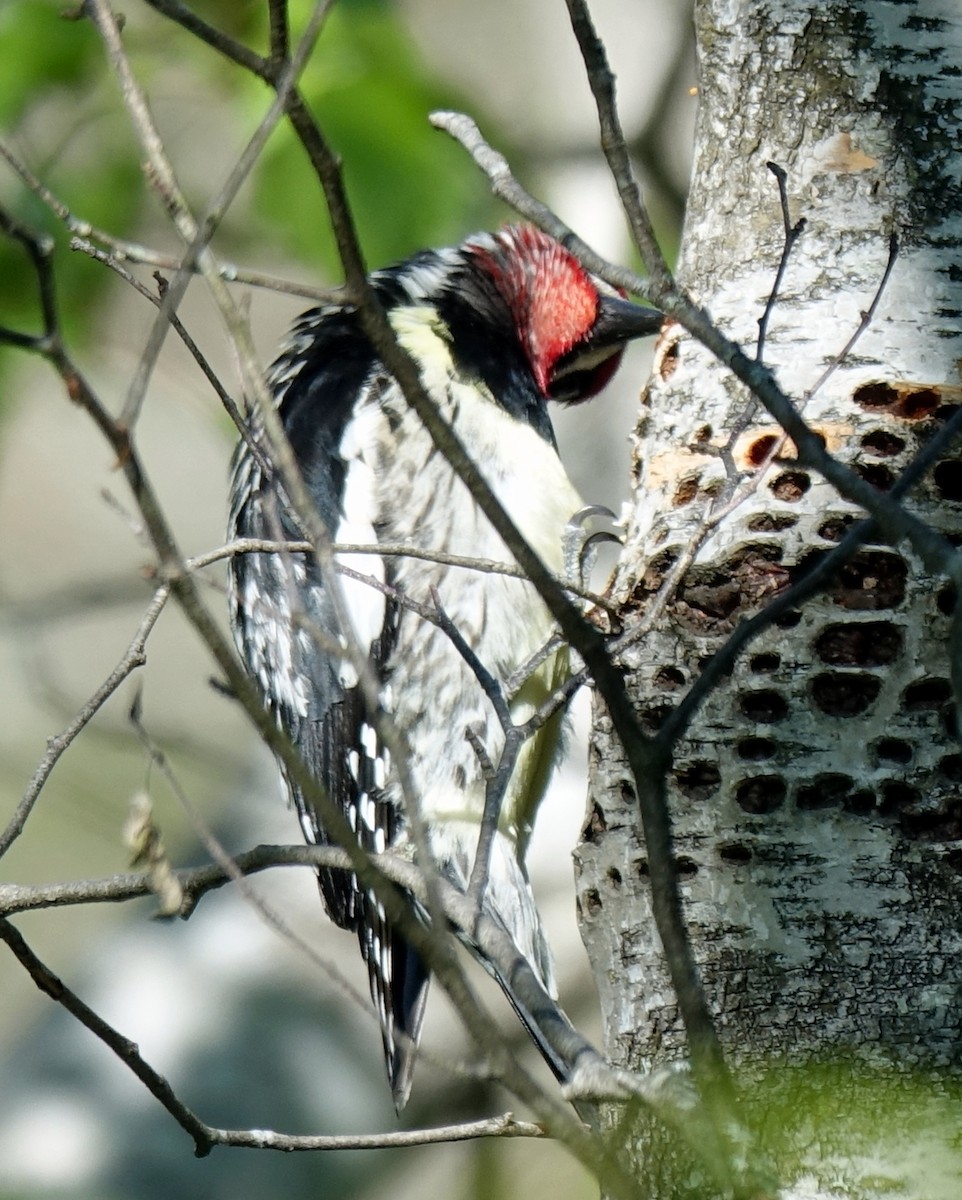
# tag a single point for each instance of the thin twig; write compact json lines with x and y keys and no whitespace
{"x":85,"y":234}
{"x":485,"y":566}
{"x":791,"y":235}
{"x":496,"y":784}
{"x":133,"y":657}
{"x":866,"y":320}
{"x":505,"y":1126}
{"x":495,"y":167}
{"x":590,"y":1074}
{"x":602,"y":83}
{"x":205,"y":1136}
{"x":125,"y":1049}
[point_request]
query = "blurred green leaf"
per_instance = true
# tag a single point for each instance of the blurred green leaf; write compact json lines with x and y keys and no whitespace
{"x":408,"y":184}
{"x":41,"y":50}
{"x":52,"y":113}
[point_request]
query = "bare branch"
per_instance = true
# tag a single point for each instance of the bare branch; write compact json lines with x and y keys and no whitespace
{"x":162,"y":178}
{"x":280,"y":33}
{"x":505,"y":1126}
{"x":133,"y":658}
{"x":181,"y":15}
{"x":125,"y":1049}
{"x":205,"y":1136}
{"x":791,"y":235}
{"x":504,"y":185}
{"x":85,"y":234}
{"x":602,"y":83}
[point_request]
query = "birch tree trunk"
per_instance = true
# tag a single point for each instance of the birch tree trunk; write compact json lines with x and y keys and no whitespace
{"x":817,"y":798}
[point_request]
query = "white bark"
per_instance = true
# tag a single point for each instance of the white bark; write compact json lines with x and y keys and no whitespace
{"x":817,"y":799}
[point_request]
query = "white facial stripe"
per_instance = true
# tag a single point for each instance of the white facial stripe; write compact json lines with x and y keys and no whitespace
{"x":365,"y":604}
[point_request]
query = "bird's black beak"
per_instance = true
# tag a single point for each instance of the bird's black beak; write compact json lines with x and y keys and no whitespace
{"x":620,"y":321}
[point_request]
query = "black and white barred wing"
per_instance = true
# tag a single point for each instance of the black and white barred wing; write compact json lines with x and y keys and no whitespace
{"x":287,"y":628}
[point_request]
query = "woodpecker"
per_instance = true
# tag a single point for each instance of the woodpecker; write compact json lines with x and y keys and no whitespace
{"x":499,"y":327}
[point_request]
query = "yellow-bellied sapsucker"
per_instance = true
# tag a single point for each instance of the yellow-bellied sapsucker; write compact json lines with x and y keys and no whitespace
{"x":499,"y":326}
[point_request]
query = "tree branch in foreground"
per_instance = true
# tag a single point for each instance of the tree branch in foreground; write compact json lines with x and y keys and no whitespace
{"x":206,"y":1137}
{"x":666,"y":1090}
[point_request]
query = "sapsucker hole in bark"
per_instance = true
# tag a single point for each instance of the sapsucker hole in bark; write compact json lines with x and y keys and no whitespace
{"x":595,"y":825}
{"x":771,"y":522}
{"x":947,"y":477}
{"x":945,"y":600}
{"x":824,"y":791}
{"x":859,"y":802}
{"x":951,"y":767}
{"x":790,"y":486}
{"x":892,"y":750}
{"x":669,"y":679}
{"x":909,"y":402}
{"x":926,"y":694}
{"x":762,"y":794}
{"x":835,"y":528}
{"x":766,"y":706}
{"x":764,"y":663}
{"x":686,"y":491}
{"x":736,"y":853}
{"x":698,"y":781}
{"x":875,"y":395}
{"x":869,"y":581}
{"x":896,"y":795}
{"x":844,"y":694}
{"x":953,"y":860}
{"x":878,"y":475}
{"x":755,"y":749}
{"x":860,"y":644}
{"x":883,"y":443}
{"x":652,"y":716}
{"x":916,"y":404}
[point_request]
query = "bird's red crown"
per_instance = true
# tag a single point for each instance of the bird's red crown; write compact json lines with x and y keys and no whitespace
{"x":551,"y":296}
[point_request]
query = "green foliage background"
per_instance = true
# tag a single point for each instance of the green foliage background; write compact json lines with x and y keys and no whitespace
{"x":59,"y":109}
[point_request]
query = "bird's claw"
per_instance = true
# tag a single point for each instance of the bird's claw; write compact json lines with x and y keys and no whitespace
{"x":580,"y":541}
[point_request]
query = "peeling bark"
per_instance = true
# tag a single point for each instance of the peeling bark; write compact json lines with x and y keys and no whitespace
{"x":817,"y":799}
